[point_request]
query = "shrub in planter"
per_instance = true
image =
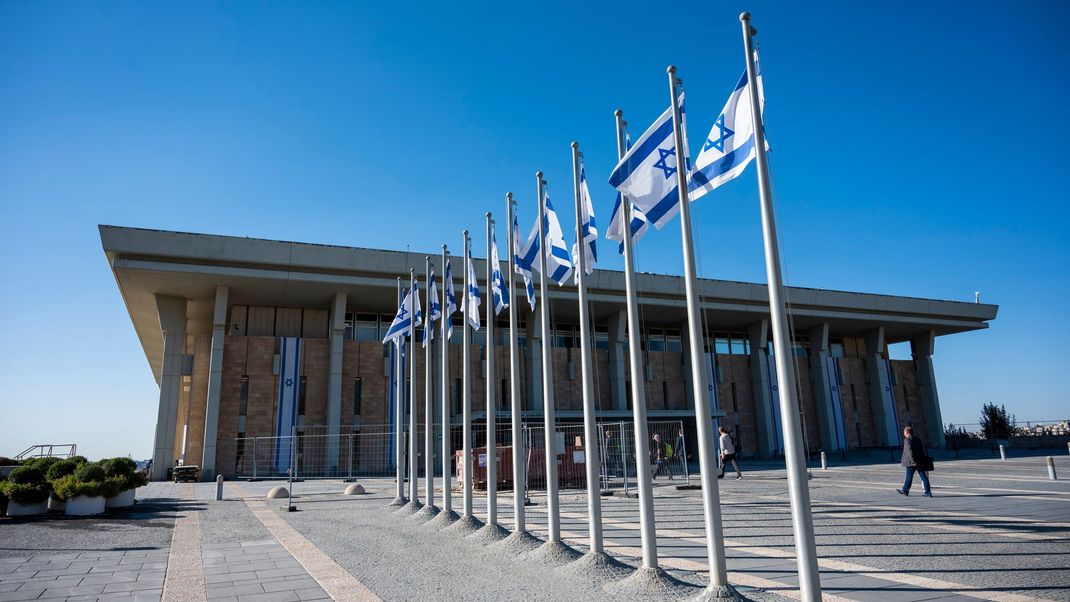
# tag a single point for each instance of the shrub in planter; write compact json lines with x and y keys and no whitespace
{"x":83,"y":491}
{"x":3,"y":498}
{"x":42,"y":464}
{"x":122,"y":480}
{"x":27,"y":491}
{"x":56,"y":472}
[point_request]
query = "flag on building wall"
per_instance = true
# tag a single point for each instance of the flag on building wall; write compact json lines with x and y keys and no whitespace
{"x":286,"y":402}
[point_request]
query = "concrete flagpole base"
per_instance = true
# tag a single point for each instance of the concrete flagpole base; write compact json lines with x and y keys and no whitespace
{"x":553,"y":552}
{"x":424,"y":514}
{"x":410,"y":507}
{"x":398,"y":502}
{"x":648,"y":583}
{"x":489,"y":533}
{"x":441,"y":520}
{"x":464,"y":526}
{"x":598,"y":566}
{"x":714,"y":592}
{"x":519,"y":542}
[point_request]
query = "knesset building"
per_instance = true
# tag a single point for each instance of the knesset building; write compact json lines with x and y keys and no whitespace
{"x":210,"y":312}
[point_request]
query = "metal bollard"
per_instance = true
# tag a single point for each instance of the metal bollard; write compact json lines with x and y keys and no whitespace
{"x":219,"y":488}
{"x":824,"y":462}
{"x":1002,"y":452}
{"x":1051,"y":468}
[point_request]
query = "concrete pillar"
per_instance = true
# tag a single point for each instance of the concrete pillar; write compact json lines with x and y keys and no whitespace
{"x":334,"y":380}
{"x":758,"y":333}
{"x":820,"y":377}
{"x":922,"y":346}
{"x":880,"y":389}
{"x":533,"y":362}
{"x":617,"y":365}
{"x":172,"y":313}
{"x":685,"y":366}
{"x":215,"y":377}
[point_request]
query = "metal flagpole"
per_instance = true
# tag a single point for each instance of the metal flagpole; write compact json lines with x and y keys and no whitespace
{"x":798,"y":487}
{"x":466,"y":378}
{"x":490,"y":402}
{"x":590,"y":432}
{"x":514,"y":383}
{"x":414,"y":481}
{"x":711,"y":501}
{"x":447,"y":445}
{"x":429,"y":408}
{"x":399,"y":418}
{"x":644,"y":486}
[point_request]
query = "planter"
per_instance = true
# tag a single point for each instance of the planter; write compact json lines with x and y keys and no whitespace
{"x":125,"y":499}
{"x":16,"y":509}
{"x":56,"y":505}
{"x":84,"y":505}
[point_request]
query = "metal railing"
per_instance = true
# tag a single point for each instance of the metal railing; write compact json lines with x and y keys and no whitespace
{"x":48,"y":450}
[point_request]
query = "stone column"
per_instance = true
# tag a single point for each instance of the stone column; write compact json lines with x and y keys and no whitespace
{"x":172,"y":313}
{"x":758,"y":333}
{"x":880,"y":390}
{"x":533,"y":362}
{"x":686,"y":369}
{"x":617,"y":366}
{"x":922,"y":346}
{"x":215,"y":376}
{"x":819,"y":377}
{"x":334,"y":380}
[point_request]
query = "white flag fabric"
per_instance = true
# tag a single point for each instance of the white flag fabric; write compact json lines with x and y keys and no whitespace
{"x":615,"y":231}
{"x":730,"y":146}
{"x":558,"y":261}
{"x":499,"y":289}
{"x":521,"y":265}
{"x":470,"y":304}
{"x":434,"y":314}
{"x":647,"y":173}
{"x":451,"y":299}
{"x":403,"y":319}
{"x":588,"y":228}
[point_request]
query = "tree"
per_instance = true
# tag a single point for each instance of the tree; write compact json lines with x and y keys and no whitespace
{"x":996,"y":423}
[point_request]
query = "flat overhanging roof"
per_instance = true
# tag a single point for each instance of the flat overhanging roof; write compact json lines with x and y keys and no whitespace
{"x":263,"y":272}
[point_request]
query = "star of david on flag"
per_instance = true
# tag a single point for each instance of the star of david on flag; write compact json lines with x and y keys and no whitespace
{"x":403,"y":319}
{"x":647,"y":173}
{"x":471,"y":302}
{"x":451,"y":299}
{"x":520,"y":264}
{"x":729,"y":148}
{"x":499,"y":290}
{"x":640,"y":224}
{"x":434,"y":311}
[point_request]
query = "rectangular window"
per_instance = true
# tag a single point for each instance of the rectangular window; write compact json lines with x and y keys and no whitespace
{"x":350,"y":326}
{"x":358,"y":385}
{"x":601,"y":339}
{"x":672,"y":341}
{"x":243,"y":403}
{"x":655,"y":340}
{"x":366,"y":327}
{"x":302,"y":390}
{"x":740,"y":345}
{"x":458,"y":331}
{"x":563,"y":338}
{"x":799,"y":349}
{"x":722,"y":346}
{"x":836,"y":348}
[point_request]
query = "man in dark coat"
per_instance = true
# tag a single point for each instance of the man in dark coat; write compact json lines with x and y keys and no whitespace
{"x":914,"y":457}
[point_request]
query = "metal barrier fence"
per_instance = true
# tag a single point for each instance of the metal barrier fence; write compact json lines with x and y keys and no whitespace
{"x":370,"y":453}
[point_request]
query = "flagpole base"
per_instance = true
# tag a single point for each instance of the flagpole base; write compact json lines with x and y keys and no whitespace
{"x":489,"y":533}
{"x":464,"y":526}
{"x":519,"y":542}
{"x":411,"y":507}
{"x":553,"y":553}
{"x":718,"y":592}
{"x":424,"y":514}
{"x":442,"y":519}
{"x":648,"y":583}
{"x":598,"y":566}
{"x":398,"y":502}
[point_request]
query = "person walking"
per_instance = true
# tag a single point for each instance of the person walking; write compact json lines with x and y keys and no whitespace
{"x":661,"y":455}
{"x":728,"y":453}
{"x":915,"y":459}
{"x":611,"y":454}
{"x":679,"y":448}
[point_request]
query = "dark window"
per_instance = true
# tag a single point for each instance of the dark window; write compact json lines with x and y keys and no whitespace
{"x":358,"y":383}
{"x":302,"y":390}
{"x":655,"y":340}
{"x":601,"y":339}
{"x":628,"y":393}
{"x":735,"y":409}
{"x":672,"y":341}
{"x":366,"y":327}
{"x":506,"y":394}
{"x":665,"y":391}
{"x":457,"y":395}
{"x":350,"y":326}
{"x":243,"y":396}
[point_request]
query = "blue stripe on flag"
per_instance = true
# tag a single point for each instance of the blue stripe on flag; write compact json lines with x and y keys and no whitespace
{"x":639,"y":154}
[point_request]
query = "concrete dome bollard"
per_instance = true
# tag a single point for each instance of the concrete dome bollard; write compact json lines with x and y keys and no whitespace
{"x":278,"y":492}
{"x":354,"y":489}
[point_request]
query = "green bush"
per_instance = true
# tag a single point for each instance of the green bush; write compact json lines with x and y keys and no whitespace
{"x":70,"y":487}
{"x":79,"y":459}
{"x":6,"y":461}
{"x":61,"y":469}
{"x":43,"y":463}
{"x":113,"y":486}
{"x":3,"y":498}
{"x":118,"y":467}
{"x":26,"y":485}
{"x":88,"y":473}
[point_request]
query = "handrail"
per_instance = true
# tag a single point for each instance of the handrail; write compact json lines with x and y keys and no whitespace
{"x":41,"y":449}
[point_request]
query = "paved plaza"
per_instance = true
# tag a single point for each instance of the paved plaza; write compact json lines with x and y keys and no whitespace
{"x":994,"y":531}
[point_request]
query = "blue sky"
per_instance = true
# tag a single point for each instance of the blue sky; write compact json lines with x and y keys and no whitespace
{"x":917,"y":150}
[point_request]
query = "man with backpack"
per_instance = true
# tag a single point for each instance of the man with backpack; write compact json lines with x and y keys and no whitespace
{"x":728,"y":453}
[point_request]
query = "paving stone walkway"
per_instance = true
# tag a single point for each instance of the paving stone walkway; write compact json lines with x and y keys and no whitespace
{"x":257,"y":570}
{"x":134,"y":575}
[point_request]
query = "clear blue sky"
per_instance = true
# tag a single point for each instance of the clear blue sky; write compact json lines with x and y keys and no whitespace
{"x":918,"y":150}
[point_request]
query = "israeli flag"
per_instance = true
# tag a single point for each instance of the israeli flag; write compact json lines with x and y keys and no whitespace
{"x":730,"y":146}
{"x":647,"y":173}
{"x":499,"y":290}
{"x":588,"y":228}
{"x":451,"y":299}
{"x":640,"y":224}
{"x":403,"y":319}
{"x":434,"y":306}
{"x":520,"y":264}
{"x":470,"y":305}
{"x":558,"y":261}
